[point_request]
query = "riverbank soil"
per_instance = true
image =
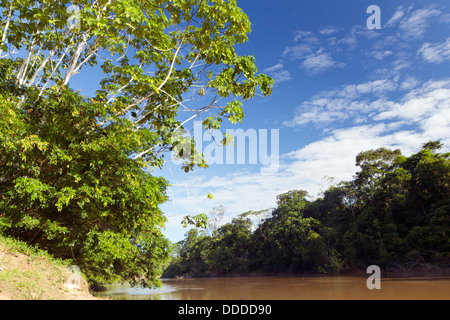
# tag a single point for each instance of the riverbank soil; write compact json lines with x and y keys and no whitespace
{"x":25,"y":275}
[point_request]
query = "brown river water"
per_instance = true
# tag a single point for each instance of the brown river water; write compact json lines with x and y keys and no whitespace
{"x":337,"y":287}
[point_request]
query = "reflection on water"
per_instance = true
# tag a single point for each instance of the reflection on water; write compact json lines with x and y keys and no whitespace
{"x":289,"y":288}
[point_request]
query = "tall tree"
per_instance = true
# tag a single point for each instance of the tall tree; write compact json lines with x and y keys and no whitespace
{"x":76,"y":171}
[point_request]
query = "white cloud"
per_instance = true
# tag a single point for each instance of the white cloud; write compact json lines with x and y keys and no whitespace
{"x":278,"y":73}
{"x":376,"y":86}
{"x":305,"y":36}
{"x":328,"y":30}
{"x":345,"y":103}
{"x":435,"y":53}
{"x":398,"y":14}
{"x":317,"y":63}
{"x":312,"y":52}
{"x":356,"y":32}
{"x":315,"y":114}
{"x":277,"y":67}
{"x":426,"y":107}
{"x":299,"y":34}
{"x":433,"y":98}
{"x":297,"y":52}
{"x":380,"y":55}
{"x":445,"y":18}
{"x":415,"y":24}
{"x":409,"y":83}
{"x":397,"y":67}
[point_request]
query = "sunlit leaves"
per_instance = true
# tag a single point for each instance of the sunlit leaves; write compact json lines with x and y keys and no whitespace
{"x":154,"y":55}
{"x":73,"y":168}
{"x":71,"y":187}
{"x":198,"y":221}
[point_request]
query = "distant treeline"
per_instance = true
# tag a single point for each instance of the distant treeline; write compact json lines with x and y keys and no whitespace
{"x":394,"y":213}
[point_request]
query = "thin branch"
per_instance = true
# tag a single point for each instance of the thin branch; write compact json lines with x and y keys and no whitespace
{"x":5,"y":30}
{"x":54,"y":70}
{"x":176,"y":100}
{"x":83,"y":62}
{"x":179,"y":126}
{"x":171,"y":66}
{"x":111,"y":60}
{"x":120,"y":90}
{"x":41,"y":67}
{"x":162,"y":84}
{"x":73,"y":62}
{"x":24,"y":66}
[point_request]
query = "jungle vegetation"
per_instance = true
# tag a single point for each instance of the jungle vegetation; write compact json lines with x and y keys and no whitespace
{"x":395,"y":213}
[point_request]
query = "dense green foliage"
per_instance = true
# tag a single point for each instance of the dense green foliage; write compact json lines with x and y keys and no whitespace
{"x":395,"y":213}
{"x":76,"y":172}
{"x":74,"y":190}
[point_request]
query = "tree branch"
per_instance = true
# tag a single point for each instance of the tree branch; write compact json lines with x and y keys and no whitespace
{"x":54,"y":70}
{"x":41,"y":67}
{"x":23,"y":68}
{"x":5,"y":30}
{"x":73,"y":62}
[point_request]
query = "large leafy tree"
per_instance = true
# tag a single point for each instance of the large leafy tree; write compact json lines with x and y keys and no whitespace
{"x":75,"y":170}
{"x":75,"y":191}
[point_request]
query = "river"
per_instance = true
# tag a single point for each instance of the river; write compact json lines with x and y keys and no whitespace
{"x":336,"y":287}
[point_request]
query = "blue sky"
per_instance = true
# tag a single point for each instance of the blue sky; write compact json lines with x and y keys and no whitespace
{"x":340,"y":88}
